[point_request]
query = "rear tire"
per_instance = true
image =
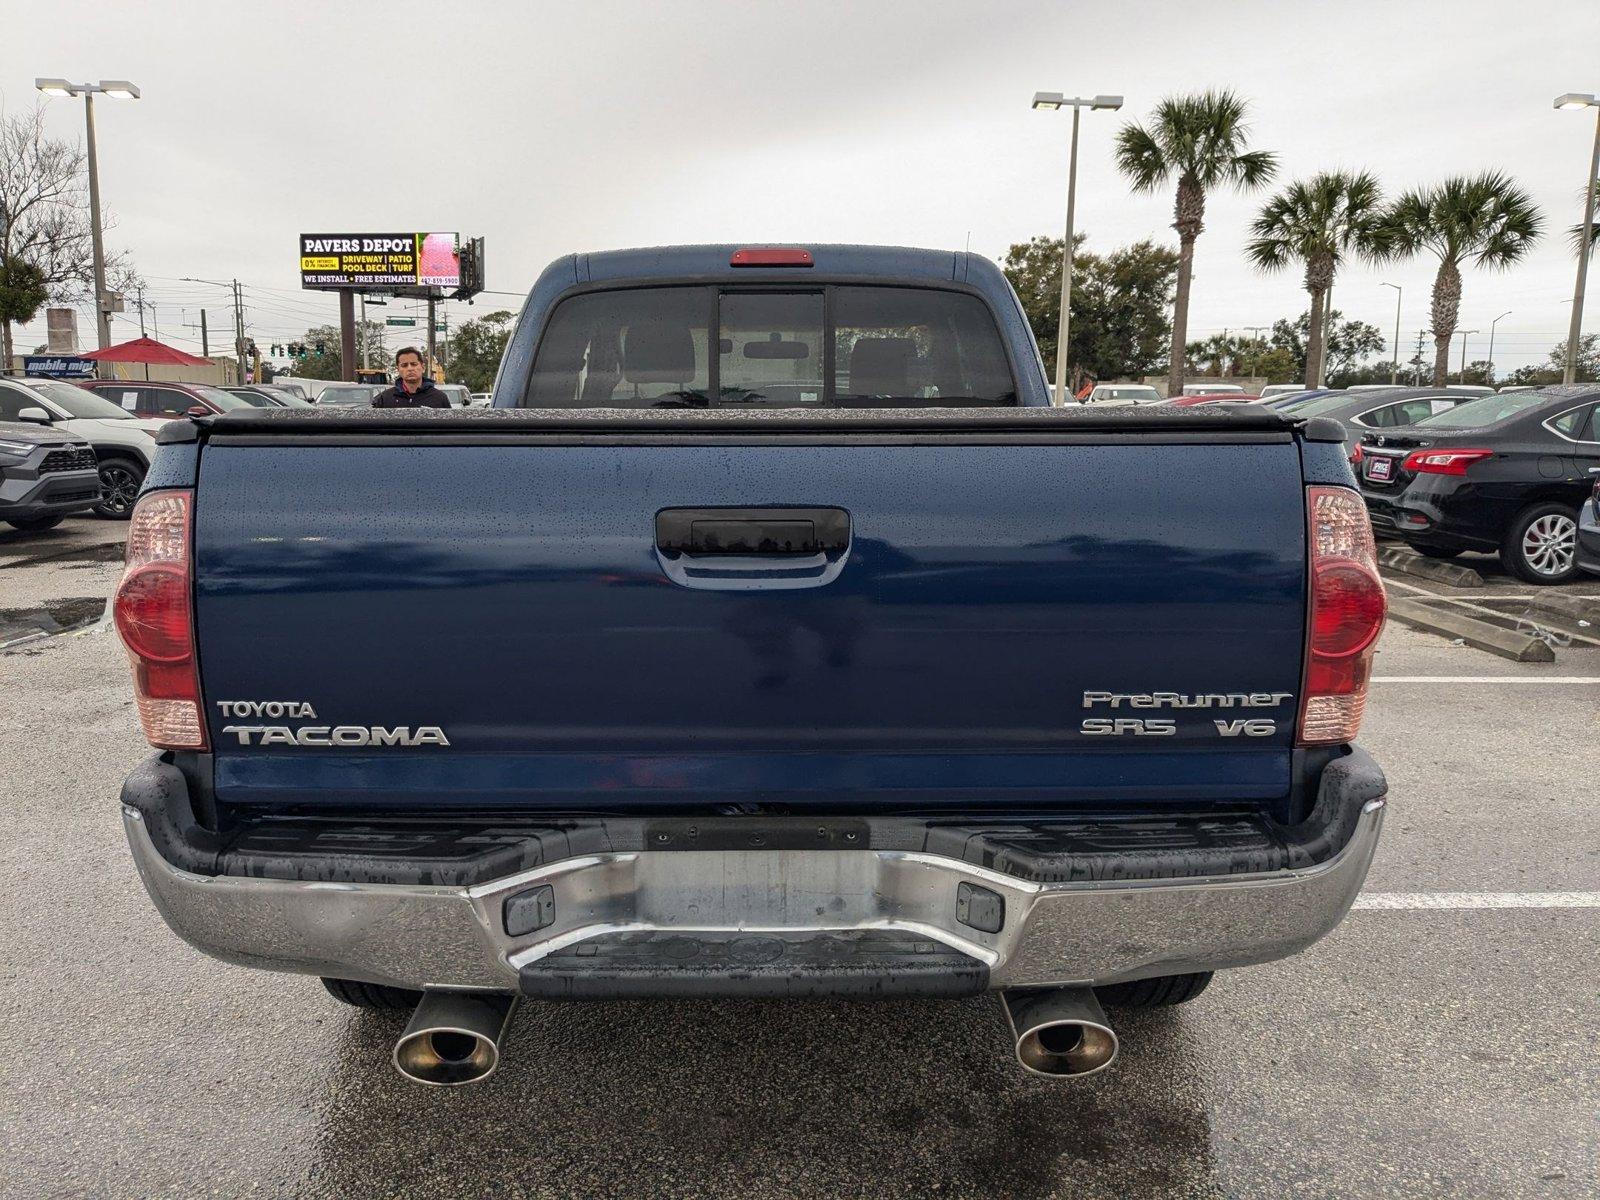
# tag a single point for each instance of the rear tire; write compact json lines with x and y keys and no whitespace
{"x":371,"y":995}
{"x":1436,"y":552}
{"x":1159,"y":992}
{"x":35,"y":524}
{"x":1542,"y":544}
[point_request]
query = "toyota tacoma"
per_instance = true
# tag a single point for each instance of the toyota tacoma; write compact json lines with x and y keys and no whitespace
{"x":771,"y":635}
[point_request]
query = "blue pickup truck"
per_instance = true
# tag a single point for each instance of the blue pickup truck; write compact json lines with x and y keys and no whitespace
{"x":771,"y":635}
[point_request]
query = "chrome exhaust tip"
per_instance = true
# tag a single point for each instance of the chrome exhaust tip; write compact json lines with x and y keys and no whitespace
{"x":453,"y":1038}
{"x":1060,"y":1032}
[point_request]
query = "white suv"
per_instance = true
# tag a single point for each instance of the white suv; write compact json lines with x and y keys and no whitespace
{"x":1123,"y":393}
{"x":123,"y":443}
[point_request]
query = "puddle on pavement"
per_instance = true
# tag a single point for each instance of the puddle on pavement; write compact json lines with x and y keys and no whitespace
{"x":63,"y":556}
{"x":25,"y":625}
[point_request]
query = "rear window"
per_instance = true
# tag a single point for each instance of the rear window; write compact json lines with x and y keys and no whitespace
{"x":849,"y":346}
{"x":1317,"y":405}
{"x":1475,"y":414}
{"x":226,"y":401}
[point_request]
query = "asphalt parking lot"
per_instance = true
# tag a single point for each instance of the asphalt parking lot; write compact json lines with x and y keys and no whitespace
{"x":1442,"y":1042}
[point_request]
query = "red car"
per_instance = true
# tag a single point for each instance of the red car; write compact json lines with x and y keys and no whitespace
{"x":165,"y":400}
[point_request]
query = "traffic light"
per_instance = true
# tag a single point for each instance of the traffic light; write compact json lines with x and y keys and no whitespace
{"x":322,"y":347}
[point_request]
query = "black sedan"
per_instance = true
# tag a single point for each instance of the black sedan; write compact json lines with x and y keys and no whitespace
{"x":1505,"y":473}
{"x":1377,"y":408}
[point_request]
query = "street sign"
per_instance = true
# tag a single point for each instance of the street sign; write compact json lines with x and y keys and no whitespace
{"x":405,"y":322}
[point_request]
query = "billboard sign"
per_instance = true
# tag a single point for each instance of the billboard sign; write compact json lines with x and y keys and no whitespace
{"x":57,"y":366}
{"x":381,"y":261}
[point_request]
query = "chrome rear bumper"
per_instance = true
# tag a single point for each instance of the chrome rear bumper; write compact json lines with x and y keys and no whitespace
{"x":414,"y":936}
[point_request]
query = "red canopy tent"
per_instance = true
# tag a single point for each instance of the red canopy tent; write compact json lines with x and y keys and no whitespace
{"x":147,"y":351}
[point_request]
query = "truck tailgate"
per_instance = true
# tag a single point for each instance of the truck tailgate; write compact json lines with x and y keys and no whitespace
{"x":514,"y":594}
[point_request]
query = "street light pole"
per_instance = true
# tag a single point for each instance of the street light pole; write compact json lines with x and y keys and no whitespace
{"x":1569,"y":372}
{"x":1463,"y":371}
{"x":1394,"y":370}
{"x":119,"y":89}
{"x":102,"y":318}
{"x":1055,"y":100}
{"x":1489,"y":375}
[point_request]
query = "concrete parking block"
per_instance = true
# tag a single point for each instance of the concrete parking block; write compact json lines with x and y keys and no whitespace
{"x":1409,"y":562}
{"x":1518,"y":647}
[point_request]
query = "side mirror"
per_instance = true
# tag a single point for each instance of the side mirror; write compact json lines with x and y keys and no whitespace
{"x":37,"y":415}
{"x":198,"y":410}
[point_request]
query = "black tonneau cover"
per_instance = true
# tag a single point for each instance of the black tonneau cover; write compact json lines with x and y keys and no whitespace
{"x":1221,"y":421}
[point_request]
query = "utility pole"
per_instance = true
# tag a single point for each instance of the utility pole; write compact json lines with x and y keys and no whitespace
{"x":138,"y":300}
{"x":431,"y":360}
{"x":238,"y":331}
{"x":1255,"y":349}
{"x":205,"y":340}
{"x":361,"y":336}
{"x":1417,"y":361}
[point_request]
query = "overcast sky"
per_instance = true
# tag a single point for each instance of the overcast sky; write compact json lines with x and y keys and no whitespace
{"x":548,"y":128}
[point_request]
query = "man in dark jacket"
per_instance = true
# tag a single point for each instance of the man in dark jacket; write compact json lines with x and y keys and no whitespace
{"x":414,"y":390}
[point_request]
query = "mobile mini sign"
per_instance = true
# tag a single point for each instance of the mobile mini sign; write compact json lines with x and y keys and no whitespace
{"x":380,"y":260}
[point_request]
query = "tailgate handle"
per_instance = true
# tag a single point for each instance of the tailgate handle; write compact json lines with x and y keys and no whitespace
{"x":752,"y":549}
{"x":770,"y":533}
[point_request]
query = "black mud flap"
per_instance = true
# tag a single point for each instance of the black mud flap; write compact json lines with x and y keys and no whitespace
{"x":862,"y":963}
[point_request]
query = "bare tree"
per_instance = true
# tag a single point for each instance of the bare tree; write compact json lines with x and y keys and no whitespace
{"x":44,"y":223}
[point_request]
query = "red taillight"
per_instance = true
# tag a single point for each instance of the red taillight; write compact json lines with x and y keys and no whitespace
{"x":1346,"y":615}
{"x":154,"y":615}
{"x":770,"y":256}
{"x":1357,"y":455}
{"x":1443,"y":462}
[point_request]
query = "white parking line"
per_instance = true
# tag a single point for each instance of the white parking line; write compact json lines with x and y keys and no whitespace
{"x":1486,"y":679}
{"x":1460,"y":900}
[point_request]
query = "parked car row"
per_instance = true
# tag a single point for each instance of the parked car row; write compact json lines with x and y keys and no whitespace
{"x":121,"y":440}
{"x":115,"y":422}
{"x":1514,"y":473}
{"x":1453,"y":469}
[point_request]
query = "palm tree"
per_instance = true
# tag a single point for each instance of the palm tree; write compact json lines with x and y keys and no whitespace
{"x":1219,"y":355}
{"x":1321,"y":222}
{"x":1199,"y":139}
{"x":1487,"y":219}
